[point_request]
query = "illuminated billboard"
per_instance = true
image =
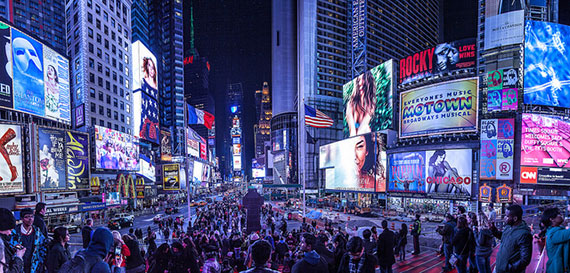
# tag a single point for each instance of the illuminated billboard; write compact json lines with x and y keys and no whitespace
{"x":77,"y":149}
{"x":147,"y":168}
{"x":546,"y":65}
{"x":116,"y":150}
{"x":359,"y":163}
{"x":367,"y":101}
{"x":192,"y":142}
{"x":257,"y":169}
{"x":197,"y":172}
{"x":440,"y":173}
{"x":446,"y":107}
{"x":497,"y":149}
{"x":504,"y":22}
{"x":51,"y":158}
{"x":171,"y":177}
{"x":11,"y":161}
{"x":545,"y":141}
{"x":165,"y":145}
{"x":33,"y":77}
{"x":442,"y":58}
{"x":145,"y":93}
{"x":502,"y":90}
{"x":237,"y":162}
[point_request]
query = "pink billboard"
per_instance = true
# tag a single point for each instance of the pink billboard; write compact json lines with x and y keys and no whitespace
{"x":545,"y":141}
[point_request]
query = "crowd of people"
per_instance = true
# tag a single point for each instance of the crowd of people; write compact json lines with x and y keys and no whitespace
{"x":217,"y":241}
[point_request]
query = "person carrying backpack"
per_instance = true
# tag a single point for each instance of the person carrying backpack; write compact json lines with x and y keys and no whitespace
{"x":93,"y":258}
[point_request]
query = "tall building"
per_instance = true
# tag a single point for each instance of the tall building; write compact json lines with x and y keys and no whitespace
{"x":141,"y":19}
{"x":233,"y":157}
{"x":100,"y":53}
{"x":44,"y":19}
{"x":331,"y":50}
{"x":263,"y":127}
{"x":166,"y":39}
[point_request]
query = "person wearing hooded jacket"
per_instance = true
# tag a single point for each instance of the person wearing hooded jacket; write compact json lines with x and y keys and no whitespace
{"x":11,"y":258}
{"x":98,"y":249}
{"x":312,"y":261}
{"x":557,"y":241}
{"x":515,"y":252}
{"x":357,"y":258}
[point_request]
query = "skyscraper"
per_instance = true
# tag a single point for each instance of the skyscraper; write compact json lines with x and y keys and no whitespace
{"x":233,"y":157}
{"x":100,"y":53}
{"x":263,"y":126}
{"x":141,"y":19}
{"x":44,"y":19}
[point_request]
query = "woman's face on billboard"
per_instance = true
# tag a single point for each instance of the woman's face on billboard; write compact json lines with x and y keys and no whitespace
{"x":360,"y":152}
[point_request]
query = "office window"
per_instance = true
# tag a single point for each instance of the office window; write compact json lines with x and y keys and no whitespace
{"x":115,"y":102}
{"x":122,"y":105}
{"x":107,"y":72}
{"x":113,"y":35}
{"x":90,"y":17}
{"x":90,"y":48}
{"x":114,"y":89}
{"x":91,"y":63}
{"x":98,"y":38}
{"x":128,"y":108}
{"x":101,"y":110}
{"x":92,"y":77}
{"x":122,"y":118}
{"x":93,"y":108}
{"x":128,"y":120}
{"x":106,"y":30}
{"x":100,"y":81}
{"x":99,"y":53}
{"x":102,"y":123}
{"x":109,"y":124}
{"x":97,"y":9}
{"x":100,"y":96}
{"x":108,"y":85}
{"x":90,"y":32}
{"x":123,"y":129}
{"x":98,"y":23}
{"x":93,"y":121}
{"x":109,"y":113}
{"x":116,"y":115}
{"x":114,"y":75}
{"x":99,"y":68}
{"x":108,"y":99}
{"x":116,"y":127}
{"x":92,"y":92}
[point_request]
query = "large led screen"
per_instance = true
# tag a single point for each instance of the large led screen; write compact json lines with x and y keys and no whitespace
{"x":545,"y":141}
{"x":165,"y":145}
{"x":546,"y":64}
{"x":11,"y":161}
{"x":359,"y":163}
{"x":440,"y":108}
{"x":145,"y":86}
{"x":504,"y":21}
{"x":51,"y":152}
{"x":77,"y":149}
{"x":442,"y":58}
{"x":497,"y":149}
{"x":147,"y":168}
{"x":257,"y":169}
{"x":171,"y":177}
{"x":116,"y":150}
{"x":440,"y":173}
{"x":367,"y":101}
{"x":192,"y":142}
{"x":33,"y":77}
{"x":197,"y":172}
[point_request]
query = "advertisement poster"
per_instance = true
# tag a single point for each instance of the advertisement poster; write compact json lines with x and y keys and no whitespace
{"x":52,"y":165}
{"x":510,"y":78}
{"x":449,"y":173}
{"x":6,"y":95}
{"x":440,"y":108}
{"x":545,"y":141}
{"x":504,"y":21}
{"x":192,"y":142}
{"x":11,"y":160}
{"x":146,"y":121}
{"x":171,"y":177}
{"x":359,"y":163}
{"x":77,"y":150}
{"x":197,"y":172}
{"x":145,"y":73}
{"x":497,"y":148}
{"x":28,"y":74}
{"x":165,"y":145}
{"x":442,"y":58}
{"x":147,"y":167}
{"x":367,"y":101}
{"x":546,"y":70}
{"x":80,"y":116}
{"x":56,"y":86}
{"x":115,"y":150}
{"x":495,"y":80}
{"x":509,"y":99}
{"x":407,"y":172}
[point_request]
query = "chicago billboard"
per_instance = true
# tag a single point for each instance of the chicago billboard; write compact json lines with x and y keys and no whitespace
{"x":440,"y":108}
{"x":546,"y":65}
{"x":359,"y":163}
{"x":442,"y":58}
{"x":504,"y":22}
{"x":51,"y":158}
{"x":497,"y":149}
{"x":115,"y":150}
{"x":367,"y":101}
{"x":77,"y":149}
{"x":145,"y":92}
{"x":11,"y":163}
{"x":545,"y":141}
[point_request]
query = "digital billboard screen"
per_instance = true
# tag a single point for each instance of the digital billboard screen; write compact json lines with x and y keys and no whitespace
{"x":497,"y":149}
{"x":171,"y":177}
{"x":446,"y":107}
{"x":11,"y":163}
{"x":197,"y":172}
{"x":145,"y":92}
{"x":147,"y":167}
{"x":546,"y":65}
{"x":367,"y":101}
{"x":51,"y":158}
{"x":444,"y":173}
{"x":545,"y":141}
{"x":192,"y":142}
{"x":442,"y":58}
{"x":165,"y":145}
{"x":257,"y":169}
{"x":359,"y":163}
{"x":77,"y":149}
{"x":504,"y":22}
{"x":33,"y":77}
{"x":116,"y":150}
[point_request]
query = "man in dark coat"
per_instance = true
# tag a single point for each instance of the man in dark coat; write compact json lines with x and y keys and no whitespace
{"x":86,"y":232}
{"x":39,"y":218}
{"x":385,"y":250}
{"x":312,"y":262}
{"x":447,"y":231}
{"x":515,"y":252}
{"x":357,"y":260}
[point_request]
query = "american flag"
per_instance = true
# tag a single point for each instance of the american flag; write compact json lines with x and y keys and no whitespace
{"x":316,"y":118}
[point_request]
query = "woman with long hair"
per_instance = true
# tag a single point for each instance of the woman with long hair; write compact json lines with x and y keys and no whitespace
{"x":58,"y":252}
{"x":120,"y":253}
{"x":463,"y":242}
{"x":361,"y":105}
{"x":364,"y":159}
{"x":149,"y":71}
{"x":402,"y":241}
{"x":159,"y":262}
{"x":557,"y":241}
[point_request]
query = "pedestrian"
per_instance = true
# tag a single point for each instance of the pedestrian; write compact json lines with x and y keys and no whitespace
{"x":39,"y":218}
{"x":121,"y":251}
{"x":11,"y":257}
{"x":474,"y":226}
{"x":178,"y":262}
{"x":135,"y":261}
{"x":447,"y":231}
{"x":260,"y":254}
{"x":97,"y":252}
{"x":385,"y":250}
{"x":416,"y":231}
{"x":211,"y":265}
{"x":492,"y":213}
{"x":402,"y":241}
{"x":191,"y":255}
{"x":339,"y":245}
{"x":159,"y":261}
{"x":463,"y":242}
{"x":29,"y":236}
{"x":484,"y":247}
{"x":515,"y":252}
{"x":369,"y":243}
{"x":281,"y":248}
{"x":557,"y":241}
{"x":311,"y":261}
{"x":58,"y":250}
{"x":356,"y":260}
{"x":86,"y":232}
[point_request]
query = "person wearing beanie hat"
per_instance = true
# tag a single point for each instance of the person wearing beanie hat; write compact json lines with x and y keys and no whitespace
{"x":31,"y":237}
{"x":12,"y":257}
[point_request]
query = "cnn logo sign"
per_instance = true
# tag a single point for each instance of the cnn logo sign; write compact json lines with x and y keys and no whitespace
{"x":529,"y":175}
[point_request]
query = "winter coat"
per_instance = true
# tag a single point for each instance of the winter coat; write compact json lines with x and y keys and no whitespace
{"x":557,"y":249}
{"x":385,"y":250}
{"x":484,"y":240}
{"x":463,"y":241}
{"x":515,"y":251}
{"x":39,"y":253}
{"x":14,"y":264}
{"x":86,"y":235}
{"x":369,"y":265}
{"x":57,"y":256}
{"x":312,"y":262}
